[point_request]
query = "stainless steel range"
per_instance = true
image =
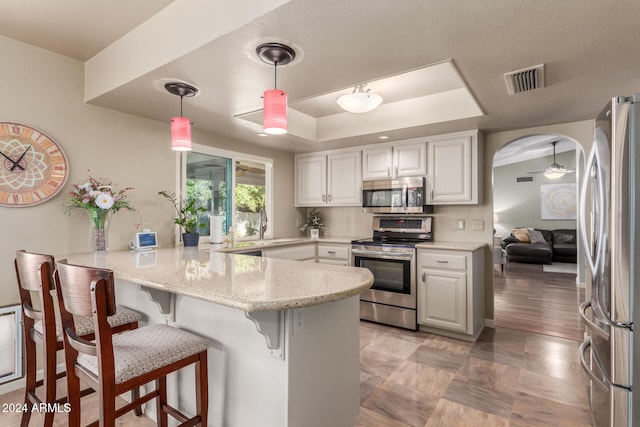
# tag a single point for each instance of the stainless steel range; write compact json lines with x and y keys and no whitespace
{"x":391,"y":257}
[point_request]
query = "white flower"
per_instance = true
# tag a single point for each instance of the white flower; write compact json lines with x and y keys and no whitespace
{"x":104,"y":201}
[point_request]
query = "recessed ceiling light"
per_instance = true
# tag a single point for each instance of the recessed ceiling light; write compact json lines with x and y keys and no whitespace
{"x":262,"y":134}
{"x":383,"y":137}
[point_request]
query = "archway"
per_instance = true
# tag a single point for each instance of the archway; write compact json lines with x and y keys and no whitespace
{"x":520,"y":194}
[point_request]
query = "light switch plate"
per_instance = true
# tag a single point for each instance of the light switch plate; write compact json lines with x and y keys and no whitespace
{"x":477,"y":225}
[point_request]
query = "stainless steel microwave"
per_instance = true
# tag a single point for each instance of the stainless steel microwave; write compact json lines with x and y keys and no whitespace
{"x":399,"y":195}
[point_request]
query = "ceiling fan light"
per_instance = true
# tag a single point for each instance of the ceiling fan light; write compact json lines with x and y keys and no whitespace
{"x":555,"y":171}
{"x":180,"y":134}
{"x":275,"y":112}
{"x":359,"y":101}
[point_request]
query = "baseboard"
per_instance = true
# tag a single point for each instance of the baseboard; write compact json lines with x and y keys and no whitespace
{"x":490,"y":323}
{"x":21,"y":382}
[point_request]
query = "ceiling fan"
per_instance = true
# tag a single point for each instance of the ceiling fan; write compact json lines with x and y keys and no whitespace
{"x":554,"y":170}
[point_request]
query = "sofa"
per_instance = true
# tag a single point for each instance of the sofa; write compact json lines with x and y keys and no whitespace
{"x":536,"y":246}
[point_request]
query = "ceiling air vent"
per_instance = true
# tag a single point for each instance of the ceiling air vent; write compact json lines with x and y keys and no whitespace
{"x":525,"y":80}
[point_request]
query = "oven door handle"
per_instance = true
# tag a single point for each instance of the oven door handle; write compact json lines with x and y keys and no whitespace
{"x":382,"y":255}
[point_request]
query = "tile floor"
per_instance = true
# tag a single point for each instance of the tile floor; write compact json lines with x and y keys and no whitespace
{"x":507,"y":378}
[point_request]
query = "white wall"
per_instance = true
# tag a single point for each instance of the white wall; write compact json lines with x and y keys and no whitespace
{"x":45,"y":90}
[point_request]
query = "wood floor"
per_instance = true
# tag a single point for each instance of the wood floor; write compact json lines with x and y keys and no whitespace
{"x":527,"y":299}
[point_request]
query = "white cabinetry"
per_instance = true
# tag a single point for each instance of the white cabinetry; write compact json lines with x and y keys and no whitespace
{"x":306,"y":251}
{"x":329,"y":179}
{"x":454,"y":169}
{"x":397,"y":160}
{"x":451,"y":292}
{"x":333,"y":253}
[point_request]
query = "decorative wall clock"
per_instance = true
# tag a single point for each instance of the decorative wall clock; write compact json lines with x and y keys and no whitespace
{"x":33,"y":167}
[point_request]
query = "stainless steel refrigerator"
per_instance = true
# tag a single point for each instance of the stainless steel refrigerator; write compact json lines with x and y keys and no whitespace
{"x":610,"y":233}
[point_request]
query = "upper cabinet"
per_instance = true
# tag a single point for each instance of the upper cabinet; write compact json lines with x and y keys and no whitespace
{"x":398,"y":160}
{"x":454,"y":169}
{"x":333,"y":179}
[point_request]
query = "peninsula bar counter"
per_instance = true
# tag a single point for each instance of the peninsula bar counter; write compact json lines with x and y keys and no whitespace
{"x":284,"y":334}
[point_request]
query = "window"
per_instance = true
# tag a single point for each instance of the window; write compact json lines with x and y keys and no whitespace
{"x":234,"y":186}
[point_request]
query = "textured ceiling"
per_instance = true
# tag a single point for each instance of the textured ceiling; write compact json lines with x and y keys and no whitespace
{"x":588,"y":48}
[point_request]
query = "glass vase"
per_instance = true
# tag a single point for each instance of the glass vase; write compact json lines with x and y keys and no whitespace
{"x":99,"y":237}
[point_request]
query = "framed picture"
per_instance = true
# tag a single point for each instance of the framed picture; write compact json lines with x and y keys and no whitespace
{"x":558,"y":201}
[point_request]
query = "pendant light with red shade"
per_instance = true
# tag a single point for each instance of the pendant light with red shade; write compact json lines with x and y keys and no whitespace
{"x":181,"y":126}
{"x":275,"y":100}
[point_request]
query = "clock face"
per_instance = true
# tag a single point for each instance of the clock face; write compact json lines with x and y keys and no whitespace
{"x":33,"y":167}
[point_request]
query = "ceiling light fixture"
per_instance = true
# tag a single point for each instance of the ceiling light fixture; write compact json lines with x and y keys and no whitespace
{"x":275,"y":100}
{"x":360,"y":100}
{"x":181,"y":126}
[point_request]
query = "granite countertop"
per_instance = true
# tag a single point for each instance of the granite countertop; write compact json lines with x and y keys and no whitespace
{"x":452,"y":246}
{"x":252,"y":245}
{"x":243,"y":282}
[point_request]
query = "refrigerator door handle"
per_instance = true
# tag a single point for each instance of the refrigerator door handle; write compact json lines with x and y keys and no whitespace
{"x":590,"y":323}
{"x":586,"y":345}
{"x":593,"y":259}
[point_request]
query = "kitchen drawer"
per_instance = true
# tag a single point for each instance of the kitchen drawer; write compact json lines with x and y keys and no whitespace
{"x":333,"y":252}
{"x":443,"y":260}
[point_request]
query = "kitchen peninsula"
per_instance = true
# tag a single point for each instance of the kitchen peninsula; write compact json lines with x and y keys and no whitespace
{"x":284,"y":334}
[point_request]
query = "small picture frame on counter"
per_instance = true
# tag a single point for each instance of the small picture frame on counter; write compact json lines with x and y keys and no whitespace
{"x":314,"y":233}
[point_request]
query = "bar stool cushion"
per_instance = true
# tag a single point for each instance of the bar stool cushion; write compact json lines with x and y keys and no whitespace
{"x":142,"y":350}
{"x":84,"y":324}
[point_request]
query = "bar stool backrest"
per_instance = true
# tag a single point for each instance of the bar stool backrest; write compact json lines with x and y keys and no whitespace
{"x":78,"y":282}
{"x":34,"y":275}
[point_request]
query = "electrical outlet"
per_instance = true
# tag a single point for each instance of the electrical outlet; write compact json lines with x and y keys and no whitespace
{"x":458,"y":224}
{"x":298,"y":320}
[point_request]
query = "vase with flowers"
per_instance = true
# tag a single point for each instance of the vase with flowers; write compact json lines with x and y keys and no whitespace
{"x":314,"y":224}
{"x":100,"y":200}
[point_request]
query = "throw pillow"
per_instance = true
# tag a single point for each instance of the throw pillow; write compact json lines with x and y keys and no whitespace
{"x":521,"y":234}
{"x":536,"y":236}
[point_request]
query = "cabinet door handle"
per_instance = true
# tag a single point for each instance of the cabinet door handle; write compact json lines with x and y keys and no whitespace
{"x":431,"y":194}
{"x":331,"y":252}
{"x":424,"y":276}
{"x":324,"y":198}
{"x":329,"y":197}
{"x":396,"y":171}
{"x":442,"y":261}
{"x":388,"y":171}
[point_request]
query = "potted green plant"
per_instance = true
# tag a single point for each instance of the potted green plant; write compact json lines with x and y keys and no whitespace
{"x":314,"y":224}
{"x":188,"y":217}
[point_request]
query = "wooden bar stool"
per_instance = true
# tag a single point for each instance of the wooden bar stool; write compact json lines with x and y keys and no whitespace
{"x":116,"y":363}
{"x":42,"y":325}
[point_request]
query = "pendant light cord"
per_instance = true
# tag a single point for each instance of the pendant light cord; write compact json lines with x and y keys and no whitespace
{"x":275,"y":74}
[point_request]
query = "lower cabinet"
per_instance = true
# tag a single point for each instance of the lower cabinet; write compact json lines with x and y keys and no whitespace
{"x":333,"y":253}
{"x":302,"y":252}
{"x":451,"y":291}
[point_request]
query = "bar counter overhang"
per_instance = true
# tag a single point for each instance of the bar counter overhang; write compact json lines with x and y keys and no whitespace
{"x":284,"y":334}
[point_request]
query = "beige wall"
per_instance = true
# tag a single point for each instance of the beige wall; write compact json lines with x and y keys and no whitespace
{"x":45,"y":90}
